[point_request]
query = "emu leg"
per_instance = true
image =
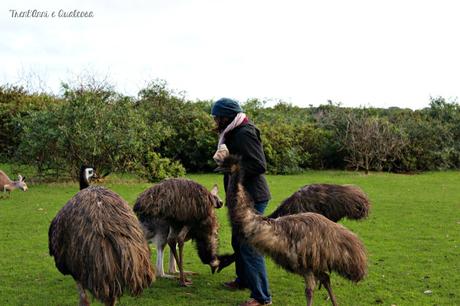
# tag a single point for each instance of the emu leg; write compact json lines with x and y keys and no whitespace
{"x":160,"y":240}
{"x":181,"y":238}
{"x":172,"y":263}
{"x":325,"y":280}
{"x":172,"y":246}
{"x":309,"y":287}
{"x":182,"y":279}
{"x":159,"y":263}
{"x":173,"y":266}
{"x":83,"y":297}
{"x":176,"y":236}
{"x":111,"y":303}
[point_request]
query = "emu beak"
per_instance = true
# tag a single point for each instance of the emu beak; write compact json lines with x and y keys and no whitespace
{"x":222,"y":169}
{"x":225,"y":260}
{"x":214,"y":265}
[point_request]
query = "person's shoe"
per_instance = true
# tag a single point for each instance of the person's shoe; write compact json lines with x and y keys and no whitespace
{"x":233,"y":285}
{"x":253,"y":302}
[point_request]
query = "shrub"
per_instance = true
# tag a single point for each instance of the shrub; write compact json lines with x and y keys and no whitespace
{"x":192,"y":140}
{"x":15,"y":101}
{"x":92,"y":126}
{"x":155,"y":168}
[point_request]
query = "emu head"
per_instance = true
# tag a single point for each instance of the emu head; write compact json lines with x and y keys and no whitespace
{"x":20,"y":183}
{"x":230,"y":164}
{"x":86,"y":173}
{"x":214,"y":264}
{"x":217,"y":202}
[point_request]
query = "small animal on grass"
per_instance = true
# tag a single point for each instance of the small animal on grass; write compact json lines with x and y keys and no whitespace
{"x":7,"y":185}
{"x":335,"y":202}
{"x":174,"y":211}
{"x":98,"y":240}
{"x":307,"y":244}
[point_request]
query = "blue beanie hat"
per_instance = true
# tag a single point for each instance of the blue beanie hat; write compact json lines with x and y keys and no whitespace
{"x":226,"y":107}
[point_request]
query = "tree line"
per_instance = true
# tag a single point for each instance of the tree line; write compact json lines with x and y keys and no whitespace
{"x":161,"y":134}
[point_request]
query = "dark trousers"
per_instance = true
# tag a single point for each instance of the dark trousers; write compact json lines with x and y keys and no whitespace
{"x":250,"y":265}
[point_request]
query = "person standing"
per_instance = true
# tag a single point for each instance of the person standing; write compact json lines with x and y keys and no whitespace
{"x":239,"y":136}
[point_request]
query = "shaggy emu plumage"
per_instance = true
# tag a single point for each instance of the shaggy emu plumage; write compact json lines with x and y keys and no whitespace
{"x":98,"y":240}
{"x":332,"y":201}
{"x":7,"y":185}
{"x":188,"y":209}
{"x":307,"y":244}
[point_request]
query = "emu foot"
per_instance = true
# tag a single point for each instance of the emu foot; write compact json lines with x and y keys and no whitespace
{"x":185,"y":282}
{"x":176,"y":274}
{"x":169,"y":276}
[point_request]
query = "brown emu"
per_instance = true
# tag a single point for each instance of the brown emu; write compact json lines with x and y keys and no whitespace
{"x":98,"y":240}
{"x":307,"y":244}
{"x":7,"y":185}
{"x":332,"y":201}
{"x":188,"y":209}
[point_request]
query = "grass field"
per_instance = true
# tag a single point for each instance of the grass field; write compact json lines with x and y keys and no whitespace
{"x":412,"y":238}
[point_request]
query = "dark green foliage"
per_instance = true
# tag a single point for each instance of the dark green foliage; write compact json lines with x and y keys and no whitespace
{"x":191,"y":140}
{"x":160,"y":133}
{"x":155,"y":168}
{"x":291,"y":148}
{"x":16,"y":101}
{"x":93,"y":126}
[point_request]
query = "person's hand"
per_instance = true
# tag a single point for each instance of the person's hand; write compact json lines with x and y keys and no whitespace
{"x":220,"y":154}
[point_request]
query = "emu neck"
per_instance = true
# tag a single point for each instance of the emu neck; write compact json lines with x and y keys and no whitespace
{"x":83,"y":180}
{"x":238,"y":202}
{"x":83,"y":184}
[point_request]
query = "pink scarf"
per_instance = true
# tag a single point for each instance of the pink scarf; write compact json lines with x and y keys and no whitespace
{"x":240,"y":119}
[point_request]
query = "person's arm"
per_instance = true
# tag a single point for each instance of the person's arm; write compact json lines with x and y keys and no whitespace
{"x":249,"y":147}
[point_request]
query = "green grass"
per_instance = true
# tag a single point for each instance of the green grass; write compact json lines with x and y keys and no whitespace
{"x":412,"y":237}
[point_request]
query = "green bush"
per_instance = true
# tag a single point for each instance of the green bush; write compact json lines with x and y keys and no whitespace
{"x":155,"y":168}
{"x":92,"y":126}
{"x":192,"y":140}
{"x":160,"y":134}
{"x":292,"y":148}
{"x":16,"y":101}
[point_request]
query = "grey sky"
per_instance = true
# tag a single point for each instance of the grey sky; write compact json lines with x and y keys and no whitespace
{"x":358,"y":52}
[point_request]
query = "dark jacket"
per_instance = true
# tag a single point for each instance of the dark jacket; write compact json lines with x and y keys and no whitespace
{"x":245,"y":141}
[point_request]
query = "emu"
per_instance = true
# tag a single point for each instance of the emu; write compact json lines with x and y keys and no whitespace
{"x":177,"y":210}
{"x":307,"y":244}
{"x":335,"y":202}
{"x":97,"y":239}
{"x":7,"y":185}
{"x":332,"y":201}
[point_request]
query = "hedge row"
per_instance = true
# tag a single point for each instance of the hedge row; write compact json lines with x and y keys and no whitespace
{"x":160,"y":134}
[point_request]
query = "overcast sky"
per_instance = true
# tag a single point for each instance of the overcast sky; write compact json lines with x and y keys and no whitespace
{"x":358,"y":52}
